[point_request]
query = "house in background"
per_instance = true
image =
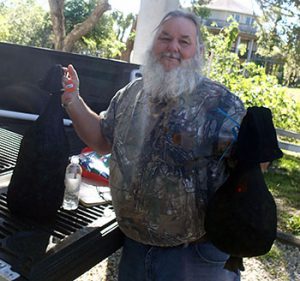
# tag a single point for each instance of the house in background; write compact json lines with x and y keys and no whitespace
{"x":243,"y":13}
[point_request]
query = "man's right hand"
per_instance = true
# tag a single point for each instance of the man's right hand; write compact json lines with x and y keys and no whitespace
{"x":70,"y":84}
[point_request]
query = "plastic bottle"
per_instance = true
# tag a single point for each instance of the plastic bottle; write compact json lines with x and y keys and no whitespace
{"x":72,"y":184}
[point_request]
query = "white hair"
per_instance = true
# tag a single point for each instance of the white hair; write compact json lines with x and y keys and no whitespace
{"x":183,"y":79}
{"x":187,"y":15}
{"x":167,"y":84}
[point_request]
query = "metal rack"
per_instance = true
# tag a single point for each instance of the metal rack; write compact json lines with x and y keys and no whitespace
{"x":61,"y":249}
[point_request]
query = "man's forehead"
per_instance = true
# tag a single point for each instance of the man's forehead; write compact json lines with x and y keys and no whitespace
{"x":184,"y":26}
{"x":166,"y":33}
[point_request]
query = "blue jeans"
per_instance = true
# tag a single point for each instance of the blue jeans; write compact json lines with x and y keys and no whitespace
{"x":193,"y":262}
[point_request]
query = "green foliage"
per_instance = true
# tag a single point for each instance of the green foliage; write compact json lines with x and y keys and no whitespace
{"x":279,"y":36}
{"x":76,"y":12}
{"x":199,"y":9}
{"x":107,"y":37}
{"x":26,"y":23}
{"x":257,"y":88}
{"x":294,"y":94}
{"x":102,"y":41}
{"x":294,"y":224}
{"x":249,"y":81}
{"x":273,"y":260}
{"x":4,"y":30}
{"x":283,"y":179}
{"x":23,"y":25}
{"x":292,"y":51}
{"x":123,"y":24}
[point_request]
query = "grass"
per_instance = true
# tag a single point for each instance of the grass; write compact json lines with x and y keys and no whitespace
{"x":275,"y":254}
{"x":276,"y":263}
{"x":283,"y":180}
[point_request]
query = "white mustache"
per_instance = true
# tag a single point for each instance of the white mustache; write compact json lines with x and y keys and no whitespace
{"x":171,"y":55}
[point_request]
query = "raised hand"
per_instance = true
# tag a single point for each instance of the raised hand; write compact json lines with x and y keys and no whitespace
{"x":70,"y":84}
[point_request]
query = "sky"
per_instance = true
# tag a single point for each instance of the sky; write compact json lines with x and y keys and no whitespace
{"x":133,"y":6}
{"x":129,"y":6}
{"x":125,"y":6}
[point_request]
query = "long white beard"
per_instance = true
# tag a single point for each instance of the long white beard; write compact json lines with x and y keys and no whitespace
{"x":159,"y":83}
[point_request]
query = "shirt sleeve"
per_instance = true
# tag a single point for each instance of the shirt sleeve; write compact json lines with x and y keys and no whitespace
{"x":107,"y":117}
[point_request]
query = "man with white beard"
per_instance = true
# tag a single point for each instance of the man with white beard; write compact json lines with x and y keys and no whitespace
{"x":169,"y":134}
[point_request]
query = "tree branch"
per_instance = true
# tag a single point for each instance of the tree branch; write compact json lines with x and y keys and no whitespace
{"x":81,"y":29}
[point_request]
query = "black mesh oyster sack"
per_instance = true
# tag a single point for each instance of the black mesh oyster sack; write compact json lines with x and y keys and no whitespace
{"x":241,"y":217}
{"x":36,"y":188}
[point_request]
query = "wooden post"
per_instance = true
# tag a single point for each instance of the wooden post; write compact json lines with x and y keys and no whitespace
{"x":250,"y":50}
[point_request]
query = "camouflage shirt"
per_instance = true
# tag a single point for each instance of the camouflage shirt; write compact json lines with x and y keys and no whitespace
{"x":168,"y":158}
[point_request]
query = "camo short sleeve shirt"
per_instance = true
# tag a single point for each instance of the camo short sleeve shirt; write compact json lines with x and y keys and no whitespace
{"x":168,"y":158}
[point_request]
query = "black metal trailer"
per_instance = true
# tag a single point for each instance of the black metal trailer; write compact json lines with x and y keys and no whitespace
{"x":77,"y":240}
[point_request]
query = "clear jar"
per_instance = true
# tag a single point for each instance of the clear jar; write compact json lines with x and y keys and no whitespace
{"x":72,"y":184}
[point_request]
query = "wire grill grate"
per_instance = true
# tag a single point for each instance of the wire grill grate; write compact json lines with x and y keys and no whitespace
{"x":9,"y":147}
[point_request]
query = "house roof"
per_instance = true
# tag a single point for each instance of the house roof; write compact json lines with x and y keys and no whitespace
{"x":237,"y":6}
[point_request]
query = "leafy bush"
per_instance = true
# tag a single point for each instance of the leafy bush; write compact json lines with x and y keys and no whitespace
{"x":294,"y":224}
{"x":248,"y":80}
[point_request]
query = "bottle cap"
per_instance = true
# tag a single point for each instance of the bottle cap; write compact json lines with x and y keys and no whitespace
{"x":74,"y":160}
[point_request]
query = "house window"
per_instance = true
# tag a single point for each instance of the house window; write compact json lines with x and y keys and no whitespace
{"x":250,"y":21}
{"x":236,"y":17}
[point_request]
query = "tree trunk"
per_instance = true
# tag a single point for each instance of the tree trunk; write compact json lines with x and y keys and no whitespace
{"x":65,"y":42}
{"x":58,"y":22}
{"x":125,"y":55}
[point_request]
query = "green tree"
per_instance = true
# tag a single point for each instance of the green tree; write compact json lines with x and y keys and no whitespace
{"x":23,"y":25}
{"x":126,"y":27}
{"x":249,"y":81}
{"x":25,"y":22}
{"x":109,"y":37}
{"x":66,"y":41}
{"x":279,"y":35}
{"x":198,"y":7}
{"x":124,"y":23}
{"x":102,"y":40}
{"x":4,"y":30}
{"x":288,"y":8}
{"x":292,"y":50}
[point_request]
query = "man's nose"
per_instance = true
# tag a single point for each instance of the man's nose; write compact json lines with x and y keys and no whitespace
{"x":173,"y":46}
